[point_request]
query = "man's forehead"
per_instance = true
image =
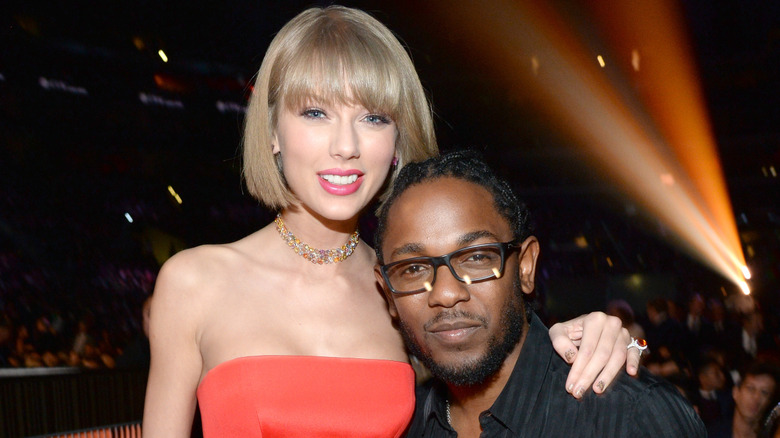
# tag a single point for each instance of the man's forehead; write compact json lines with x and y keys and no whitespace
{"x":459,"y":240}
{"x":457,"y":192}
{"x":434,"y":201}
{"x":443,"y":214}
{"x":759,"y":380}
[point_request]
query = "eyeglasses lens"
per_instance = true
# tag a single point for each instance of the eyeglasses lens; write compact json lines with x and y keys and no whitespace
{"x":469,"y":265}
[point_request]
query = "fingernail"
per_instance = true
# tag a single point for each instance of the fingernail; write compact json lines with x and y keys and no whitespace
{"x":570,"y":388}
{"x":569,"y":355}
{"x":579,"y":392}
{"x":600,"y":386}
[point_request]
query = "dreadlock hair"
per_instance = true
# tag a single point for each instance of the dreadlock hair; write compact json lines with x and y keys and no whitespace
{"x":467,"y":165}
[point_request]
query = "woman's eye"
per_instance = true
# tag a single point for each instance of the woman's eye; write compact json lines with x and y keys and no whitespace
{"x":313,"y":113}
{"x":377,"y":119}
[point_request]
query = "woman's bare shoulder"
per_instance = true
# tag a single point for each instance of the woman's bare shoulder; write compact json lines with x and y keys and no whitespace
{"x":204,"y":270}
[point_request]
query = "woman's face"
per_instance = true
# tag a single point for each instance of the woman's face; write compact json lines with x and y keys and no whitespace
{"x":335,"y":157}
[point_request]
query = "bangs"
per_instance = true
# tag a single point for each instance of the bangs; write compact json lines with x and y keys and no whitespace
{"x":340,"y":66}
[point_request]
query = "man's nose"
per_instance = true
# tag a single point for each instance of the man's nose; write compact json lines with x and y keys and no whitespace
{"x":446,"y":290}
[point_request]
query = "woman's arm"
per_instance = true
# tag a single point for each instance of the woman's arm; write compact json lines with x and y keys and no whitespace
{"x":176,"y":361}
{"x":595,"y":344}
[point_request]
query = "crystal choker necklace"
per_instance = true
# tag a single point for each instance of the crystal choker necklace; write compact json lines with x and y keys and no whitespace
{"x":317,"y":256}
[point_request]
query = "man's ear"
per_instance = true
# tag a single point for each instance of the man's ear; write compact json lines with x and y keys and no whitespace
{"x":386,"y":290}
{"x":529,"y":252}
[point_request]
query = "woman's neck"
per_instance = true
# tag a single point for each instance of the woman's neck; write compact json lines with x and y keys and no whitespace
{"x":316,"y":230}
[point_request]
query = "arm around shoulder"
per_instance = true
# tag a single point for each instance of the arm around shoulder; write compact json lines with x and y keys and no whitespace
{"x":176,"y":363}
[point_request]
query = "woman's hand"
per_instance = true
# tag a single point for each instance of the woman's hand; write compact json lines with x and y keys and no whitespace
{"x":595,"y":344}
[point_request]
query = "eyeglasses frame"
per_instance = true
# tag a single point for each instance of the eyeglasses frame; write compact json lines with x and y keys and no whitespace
{"x":444,"y":260}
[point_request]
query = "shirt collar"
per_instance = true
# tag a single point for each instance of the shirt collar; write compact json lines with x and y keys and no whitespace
{"x":435,"y":408}
{"x":513,"y":406}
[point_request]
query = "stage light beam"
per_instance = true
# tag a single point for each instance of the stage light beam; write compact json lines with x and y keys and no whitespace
{"x":634,"y":126}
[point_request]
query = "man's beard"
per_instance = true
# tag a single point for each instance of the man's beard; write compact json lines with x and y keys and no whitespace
{"x":475,"y":372}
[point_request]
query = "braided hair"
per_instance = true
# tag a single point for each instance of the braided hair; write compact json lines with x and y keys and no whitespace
{"x":467,"y":165}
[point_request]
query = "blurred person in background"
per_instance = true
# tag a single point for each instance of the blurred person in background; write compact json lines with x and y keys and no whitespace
{"x":6,"y":344}
{"x":752,"y":398}
{"x":83,"y":335}
{"x":664,"y":331}
{"x":712,"y":401}
{"x":698,"y":327}
{"x":771,"y":425}
{"x":625,"y":312}
{"x":136,"y":355}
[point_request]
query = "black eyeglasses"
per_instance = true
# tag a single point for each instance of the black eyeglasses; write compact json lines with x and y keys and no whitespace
{"x":468,"y":265}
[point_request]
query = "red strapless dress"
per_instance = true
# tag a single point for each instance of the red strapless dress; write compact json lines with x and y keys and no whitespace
{"x":306,"y":396}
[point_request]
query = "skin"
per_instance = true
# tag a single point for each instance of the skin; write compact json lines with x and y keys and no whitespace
{"x":316,"y":138}
{"x":711,"y":378}
{"x":751,"y":398}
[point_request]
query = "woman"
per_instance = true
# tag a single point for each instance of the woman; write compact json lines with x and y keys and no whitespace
{"x":277,"y":336}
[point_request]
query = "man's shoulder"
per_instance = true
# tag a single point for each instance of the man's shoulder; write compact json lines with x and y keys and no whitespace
{"x":653,"y":405}
{"x":646,"y":405}
{"x":641,"y":385}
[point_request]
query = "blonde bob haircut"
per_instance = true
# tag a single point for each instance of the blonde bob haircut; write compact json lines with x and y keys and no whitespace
{"x":333,"y":55}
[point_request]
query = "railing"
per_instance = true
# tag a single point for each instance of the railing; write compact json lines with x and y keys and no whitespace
{"x":45,"y":402}
{"x":127,"y":430}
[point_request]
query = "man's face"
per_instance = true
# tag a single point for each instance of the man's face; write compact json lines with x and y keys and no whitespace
{"x":463,"y":333}
{"x":753,"y":395}
{"x":712,"y":378}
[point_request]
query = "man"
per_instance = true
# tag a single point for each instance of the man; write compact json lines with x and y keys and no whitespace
{"x":456,"y":259}
{"x":711,"y":399}
{"x":697,"y":327}
{"x":664,"y":331}
{"x":751,"y":399}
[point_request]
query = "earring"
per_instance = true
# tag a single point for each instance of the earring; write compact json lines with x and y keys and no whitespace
{"x":395,"y":161}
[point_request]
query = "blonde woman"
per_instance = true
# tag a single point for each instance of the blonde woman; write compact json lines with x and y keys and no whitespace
{"x":285,"y":332}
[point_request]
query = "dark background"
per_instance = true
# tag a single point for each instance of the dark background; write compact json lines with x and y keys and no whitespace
{"x":79,"y":148}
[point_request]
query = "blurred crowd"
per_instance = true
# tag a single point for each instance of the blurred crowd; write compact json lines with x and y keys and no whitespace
{"x":41,"y":328}
{"x":722,"y":355}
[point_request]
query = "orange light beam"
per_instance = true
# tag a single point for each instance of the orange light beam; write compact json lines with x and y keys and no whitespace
{"x":647,"y":128}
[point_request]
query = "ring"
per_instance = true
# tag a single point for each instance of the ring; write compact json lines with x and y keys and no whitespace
{"x":638,"y":343}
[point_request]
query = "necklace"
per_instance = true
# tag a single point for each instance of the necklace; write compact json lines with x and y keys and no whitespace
{"x":449,"y":416}
{"x":317,"y":256}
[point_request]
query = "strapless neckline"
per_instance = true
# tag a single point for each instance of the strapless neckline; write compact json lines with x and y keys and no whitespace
{"x":306,"y":396}
{"x":296,"y":358}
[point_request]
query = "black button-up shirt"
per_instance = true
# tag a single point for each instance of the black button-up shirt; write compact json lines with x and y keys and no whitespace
{"x":535,"y":404}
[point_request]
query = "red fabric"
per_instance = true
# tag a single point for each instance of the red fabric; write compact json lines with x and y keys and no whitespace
{"x":306,"y":396}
